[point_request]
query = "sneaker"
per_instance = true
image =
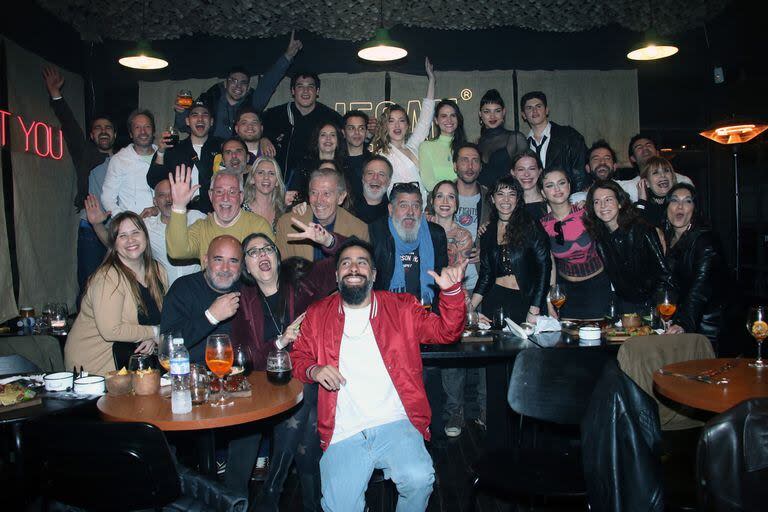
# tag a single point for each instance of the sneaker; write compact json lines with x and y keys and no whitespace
{"x":260,"y":469}
{"x":221,"y":467}
{"x":453,"y":425}
{"x":480,"y":420}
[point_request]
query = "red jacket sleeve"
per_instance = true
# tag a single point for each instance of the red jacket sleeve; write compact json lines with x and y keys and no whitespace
{"x":447,"y":327}
{"x":304,"y":353}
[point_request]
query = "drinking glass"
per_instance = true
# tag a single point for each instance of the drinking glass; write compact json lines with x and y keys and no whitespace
{"x":219,"y":356}
{"x":757,"y":325}
{"x":164,"y":347}
{"x":427,"y":305}
{"x":173,"y":137}
{"x":139,"y":362}
{"x":59,"y":318}
{"x":242,"y":360}
{"x":279,"y":367}
{"x":473,"y":318}
{"x":557,"y":297}
{"x":184,"y":98}
{"x":199,"y":383}
{"x":498,"y":319}
{"x":48,"y":313}
{"x":666,"y":305}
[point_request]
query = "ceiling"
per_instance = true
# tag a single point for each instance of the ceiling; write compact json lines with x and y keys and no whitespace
{"x":354,"y":20}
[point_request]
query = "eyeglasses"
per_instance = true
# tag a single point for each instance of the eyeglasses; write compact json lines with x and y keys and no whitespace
{"x":559,"y":237}
{"x":256,"y":251}
{"x":233,"y":81}
{"x":409,"y":186}
{"x":221,"y":192}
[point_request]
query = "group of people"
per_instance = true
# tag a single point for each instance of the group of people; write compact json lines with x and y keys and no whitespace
{"x":250,"y":224}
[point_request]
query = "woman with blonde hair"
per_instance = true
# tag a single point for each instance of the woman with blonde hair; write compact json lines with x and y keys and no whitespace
{"x":120,"y":309}
{"x":264,"y":190}
{"x":395,"y":141}
{"x":656,"y":180}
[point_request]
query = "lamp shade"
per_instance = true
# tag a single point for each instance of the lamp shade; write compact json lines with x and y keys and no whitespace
{"x":382,"y":48}
{"x":143,"y":57}
{"x":734,"y":130}
{"x":652,"y":48}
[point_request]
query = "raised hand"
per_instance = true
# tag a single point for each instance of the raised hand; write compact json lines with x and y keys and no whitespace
{"x":182,"y":189}
{"x":294,"y":45}
{"x":93,"y":211}
{"x":642,"y":190}
{"x":312,"y":231}
{"x":449,"y":276}
{"x":54,"y":80}
{"x":299,"y":209}
{"x":429,"y":68}
{"x":292,"y":331}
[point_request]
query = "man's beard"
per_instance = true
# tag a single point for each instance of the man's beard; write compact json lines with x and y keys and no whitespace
{"x":598,"y":174}
{"x":355,"y":295}
{"x":240,"y":168}
{"x":369,"y":193}
{"x":406,"y":235}
{"x":215,"y":286}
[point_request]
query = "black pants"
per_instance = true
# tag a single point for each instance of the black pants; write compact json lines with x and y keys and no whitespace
{"x":513,"y":302}
{"x":295,"y":439}
{"x":586,"y":299}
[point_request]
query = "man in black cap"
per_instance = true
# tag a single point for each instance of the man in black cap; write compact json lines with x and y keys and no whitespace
{"x":196,"y":151}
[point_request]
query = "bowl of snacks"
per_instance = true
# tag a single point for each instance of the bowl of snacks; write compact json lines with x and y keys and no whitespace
{"x":119,"y":382}
{"x":630,"y":320}
{"x":146,"y":382}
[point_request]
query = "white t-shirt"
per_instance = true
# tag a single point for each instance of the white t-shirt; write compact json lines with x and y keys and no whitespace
{"x":369,"y":398}
{"x":630,"y":186}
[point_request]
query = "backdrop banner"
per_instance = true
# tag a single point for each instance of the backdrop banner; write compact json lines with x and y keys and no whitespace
{"x":44,"y":183}
{"x":600,"y":104}
{"x":8,"y":308}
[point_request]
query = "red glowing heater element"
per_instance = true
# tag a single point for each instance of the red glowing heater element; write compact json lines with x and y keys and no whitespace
{"x":734,"y":133}
{"x":38,"y":136}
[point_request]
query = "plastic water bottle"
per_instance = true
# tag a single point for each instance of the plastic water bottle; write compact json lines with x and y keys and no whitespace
{"x":181,"y":394}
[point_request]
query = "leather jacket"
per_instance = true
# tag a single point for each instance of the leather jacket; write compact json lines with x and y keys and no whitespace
{"x":732,"y":460}
{"x":634,"y":262}
{"x":533,"y":264}
{"x":621,"y":446}
{"x":698,"y":269}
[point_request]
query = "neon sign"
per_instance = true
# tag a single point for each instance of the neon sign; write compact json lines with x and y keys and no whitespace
{"x":38,"y":136}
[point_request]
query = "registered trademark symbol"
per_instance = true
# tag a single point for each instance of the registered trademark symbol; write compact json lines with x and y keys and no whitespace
{"x":466,"y":94}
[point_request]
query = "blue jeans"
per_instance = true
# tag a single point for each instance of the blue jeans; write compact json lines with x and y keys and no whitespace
{"x":453,"y":385}
{"x":397,"y":448}
{"x":90,"y":253}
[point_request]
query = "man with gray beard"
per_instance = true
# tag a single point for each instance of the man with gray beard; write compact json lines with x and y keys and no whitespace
{"x":406,"y":246}
{"x":374,"y":205}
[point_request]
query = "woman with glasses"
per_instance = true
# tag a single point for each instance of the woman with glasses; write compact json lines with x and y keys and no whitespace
{"x":264,"y":190}
{"x":657,"y":177}
{"x":578,"y":268}
{"x":436,"y":154}
{"x":120,"y":309}
{"x":394,"y":140}
{"x":498,"y":145}
{"x":630,"y":248}
{"x":515,"y":262}
{"x":695,"y":259}
{"x":272,"y":306}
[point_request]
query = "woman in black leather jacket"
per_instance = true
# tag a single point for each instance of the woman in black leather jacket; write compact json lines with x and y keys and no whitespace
{"x":697,"y":266}
{"x":515,"y":263}
{"x":630,"y":248}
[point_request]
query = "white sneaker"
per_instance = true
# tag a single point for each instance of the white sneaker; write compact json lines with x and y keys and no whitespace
{"x":454,"y":425}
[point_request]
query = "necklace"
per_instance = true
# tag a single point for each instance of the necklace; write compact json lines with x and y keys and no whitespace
{"x":272,"y":316}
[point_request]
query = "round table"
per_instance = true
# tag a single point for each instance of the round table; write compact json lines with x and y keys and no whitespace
{"x":266,"y":400}
{"x":744,"y":382}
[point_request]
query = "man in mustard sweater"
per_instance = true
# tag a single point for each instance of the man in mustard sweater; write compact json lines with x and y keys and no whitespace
{"x":228,"y":218}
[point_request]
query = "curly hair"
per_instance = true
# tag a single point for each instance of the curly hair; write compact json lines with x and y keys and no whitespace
{"x":628,"y":214}
{"x":520,"y":224}
{"x":380,"y":143}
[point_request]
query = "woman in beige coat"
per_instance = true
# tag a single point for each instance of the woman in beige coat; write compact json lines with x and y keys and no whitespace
{"x":122,"y":301}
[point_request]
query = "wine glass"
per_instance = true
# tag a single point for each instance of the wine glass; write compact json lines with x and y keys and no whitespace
{"x":164,"y":347}
{"x":47,"y":313}
{"x":666,"y":305}
{"x":757,"y":325}
{"x":473,"y":318}
{"x":219,"y":357}
{"x":557,"y":297}
{"x":58,"y":317}
{"x":279,"y":367}
{"x":242,"y":360}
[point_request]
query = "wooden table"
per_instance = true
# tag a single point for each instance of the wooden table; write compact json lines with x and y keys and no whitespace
{"x":266,"y":400}
{"x":744,"y":382}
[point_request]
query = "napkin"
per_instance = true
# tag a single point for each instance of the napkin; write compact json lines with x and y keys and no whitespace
{"x":547,"y":324}
{"x":37,"y":379}
{"x":515,"y":329}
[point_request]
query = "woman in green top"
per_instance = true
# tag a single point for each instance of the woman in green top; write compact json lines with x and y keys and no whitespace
{"x":436,"y":155}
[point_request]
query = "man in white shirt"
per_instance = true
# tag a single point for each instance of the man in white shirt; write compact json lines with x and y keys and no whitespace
{"x":641,"y":149}
{"x":156,"y":228}
{"x":362,"y":347}
{"x":125,"y":185}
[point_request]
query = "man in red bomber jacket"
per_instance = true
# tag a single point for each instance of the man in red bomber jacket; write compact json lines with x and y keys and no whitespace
{"x":362,"y":347}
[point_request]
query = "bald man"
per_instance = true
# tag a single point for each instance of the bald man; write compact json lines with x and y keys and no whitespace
{"x":203,"y":303}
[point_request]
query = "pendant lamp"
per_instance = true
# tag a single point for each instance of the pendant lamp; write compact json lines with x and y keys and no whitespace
{"x":382,"y":48}
{"x":143,"y":57}
{"x":653,"y":47}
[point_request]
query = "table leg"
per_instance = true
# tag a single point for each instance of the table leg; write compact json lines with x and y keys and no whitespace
{"x":498,"y":424}
{"x":206,"y":452}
